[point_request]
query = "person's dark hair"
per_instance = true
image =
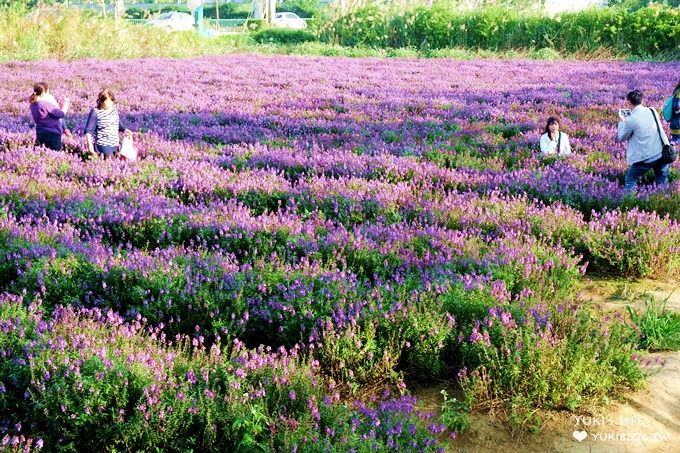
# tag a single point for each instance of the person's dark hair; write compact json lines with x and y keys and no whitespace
{"x":677,"y":87}
{"x":103,"y":96}
{"x":39,"y":89}
{"x":552,"y":120}
{"x":635,"y":97}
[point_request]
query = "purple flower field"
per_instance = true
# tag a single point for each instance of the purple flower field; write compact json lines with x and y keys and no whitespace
{"x":304,"y":238}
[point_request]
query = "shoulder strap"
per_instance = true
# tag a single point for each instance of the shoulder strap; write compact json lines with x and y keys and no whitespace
{"x":658,"y":129}
{"x":559,"y":142}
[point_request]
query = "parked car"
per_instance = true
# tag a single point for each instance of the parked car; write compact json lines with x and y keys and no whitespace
{"x":174,"y":21}
{"x":289,"y":20}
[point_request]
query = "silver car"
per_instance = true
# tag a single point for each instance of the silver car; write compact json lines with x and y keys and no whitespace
{"x":174,"y":21}
{"x":289,"y":20}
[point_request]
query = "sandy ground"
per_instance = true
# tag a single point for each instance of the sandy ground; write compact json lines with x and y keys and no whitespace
{"x":644,"y":421}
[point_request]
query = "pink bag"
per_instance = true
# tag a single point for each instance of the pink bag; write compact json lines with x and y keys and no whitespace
{"x":127,"y":150}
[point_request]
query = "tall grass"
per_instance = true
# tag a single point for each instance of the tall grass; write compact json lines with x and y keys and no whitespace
{"x":73,"y":34}
{"x":657,"y":329}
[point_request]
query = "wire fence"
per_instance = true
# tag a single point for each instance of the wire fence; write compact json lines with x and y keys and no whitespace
{"x":212,"y":24}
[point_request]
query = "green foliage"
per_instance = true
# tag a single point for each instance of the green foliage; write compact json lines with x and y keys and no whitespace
{"x":646,"y":31}
{"x":144,"y":13}
{"x":661,"y":203}
{"x":361,"y":354}
{"x":15,"y":337}
{"x":548,"y":358}
{"x":174,"y":8}
{"x":282,"y":36}
{"x":136,"y":13}
{"x":256,"y":24}
{"x":546,"y":53}
{"x":634,"y":5}
{"x":227,"y":11}
{"x":96,"y":383}
{"x":27,"y":3}
{"x":632,"y":246}
{"x":303,"y":8}
{"x":656,"y":329}
{"x":80,"y":34}
{"x":440,"y":32}
{"x":455,"y":413}
{"x":365,"y":26}
{"x":427,"y":331}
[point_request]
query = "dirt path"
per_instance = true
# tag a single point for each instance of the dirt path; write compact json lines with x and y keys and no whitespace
{"x":645,"y":421}
{"x":617,"y":294}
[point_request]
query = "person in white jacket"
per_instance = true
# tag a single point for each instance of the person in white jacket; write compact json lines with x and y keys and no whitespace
{"x":553,"y":141}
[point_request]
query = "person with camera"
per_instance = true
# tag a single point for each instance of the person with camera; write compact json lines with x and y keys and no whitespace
{"x":639,"y":126}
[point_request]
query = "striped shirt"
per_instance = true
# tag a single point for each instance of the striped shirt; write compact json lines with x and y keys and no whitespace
{"x":104,"y":126}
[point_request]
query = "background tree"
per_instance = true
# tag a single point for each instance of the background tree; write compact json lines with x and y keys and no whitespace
{"x":303,"y":8}
{"x":634,"y":5}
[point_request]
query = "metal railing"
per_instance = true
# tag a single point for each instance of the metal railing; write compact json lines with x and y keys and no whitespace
{"x":214,"y":24}
{"x":225,"y":23}
{"x":209,"y":23}
{"x":235,"y":23}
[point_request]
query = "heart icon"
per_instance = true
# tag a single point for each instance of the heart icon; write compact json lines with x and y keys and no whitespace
{"x":580,"y":435}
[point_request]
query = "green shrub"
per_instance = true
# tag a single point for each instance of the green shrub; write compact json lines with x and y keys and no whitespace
{"x":136,"y":13}
{"x":657,"y":329}
{"x":256,"y":24}
{"x":645,"y":32}
{"x":93,"y":382}
{"x":663,"y":203}
{"x":173,"y":8}
{"x":427,"y":330}
{"x":455,"y":413}
{"x":283,"y":36}
{"x":303,"y":8}
{"x":545,"y":53}
{"x":227,"y":11}
{"x":632,"y":244}
{"x":546,"y":358}
{"x":361,"y":355}
{"x":366,"y":26}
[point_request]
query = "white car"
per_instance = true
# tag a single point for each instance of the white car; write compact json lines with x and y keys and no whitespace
{"x":174,"y":21}
{"x":289,"y":20}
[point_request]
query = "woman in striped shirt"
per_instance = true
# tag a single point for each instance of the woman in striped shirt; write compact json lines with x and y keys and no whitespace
{"x":103,"y":126}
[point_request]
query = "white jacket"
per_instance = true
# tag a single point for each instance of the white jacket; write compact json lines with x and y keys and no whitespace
{"x":550,"y":147}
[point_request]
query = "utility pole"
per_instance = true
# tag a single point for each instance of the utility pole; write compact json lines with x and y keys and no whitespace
{"x":271,"y":11}
{"x":118,"y":9}
{"x":217,"y":12}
